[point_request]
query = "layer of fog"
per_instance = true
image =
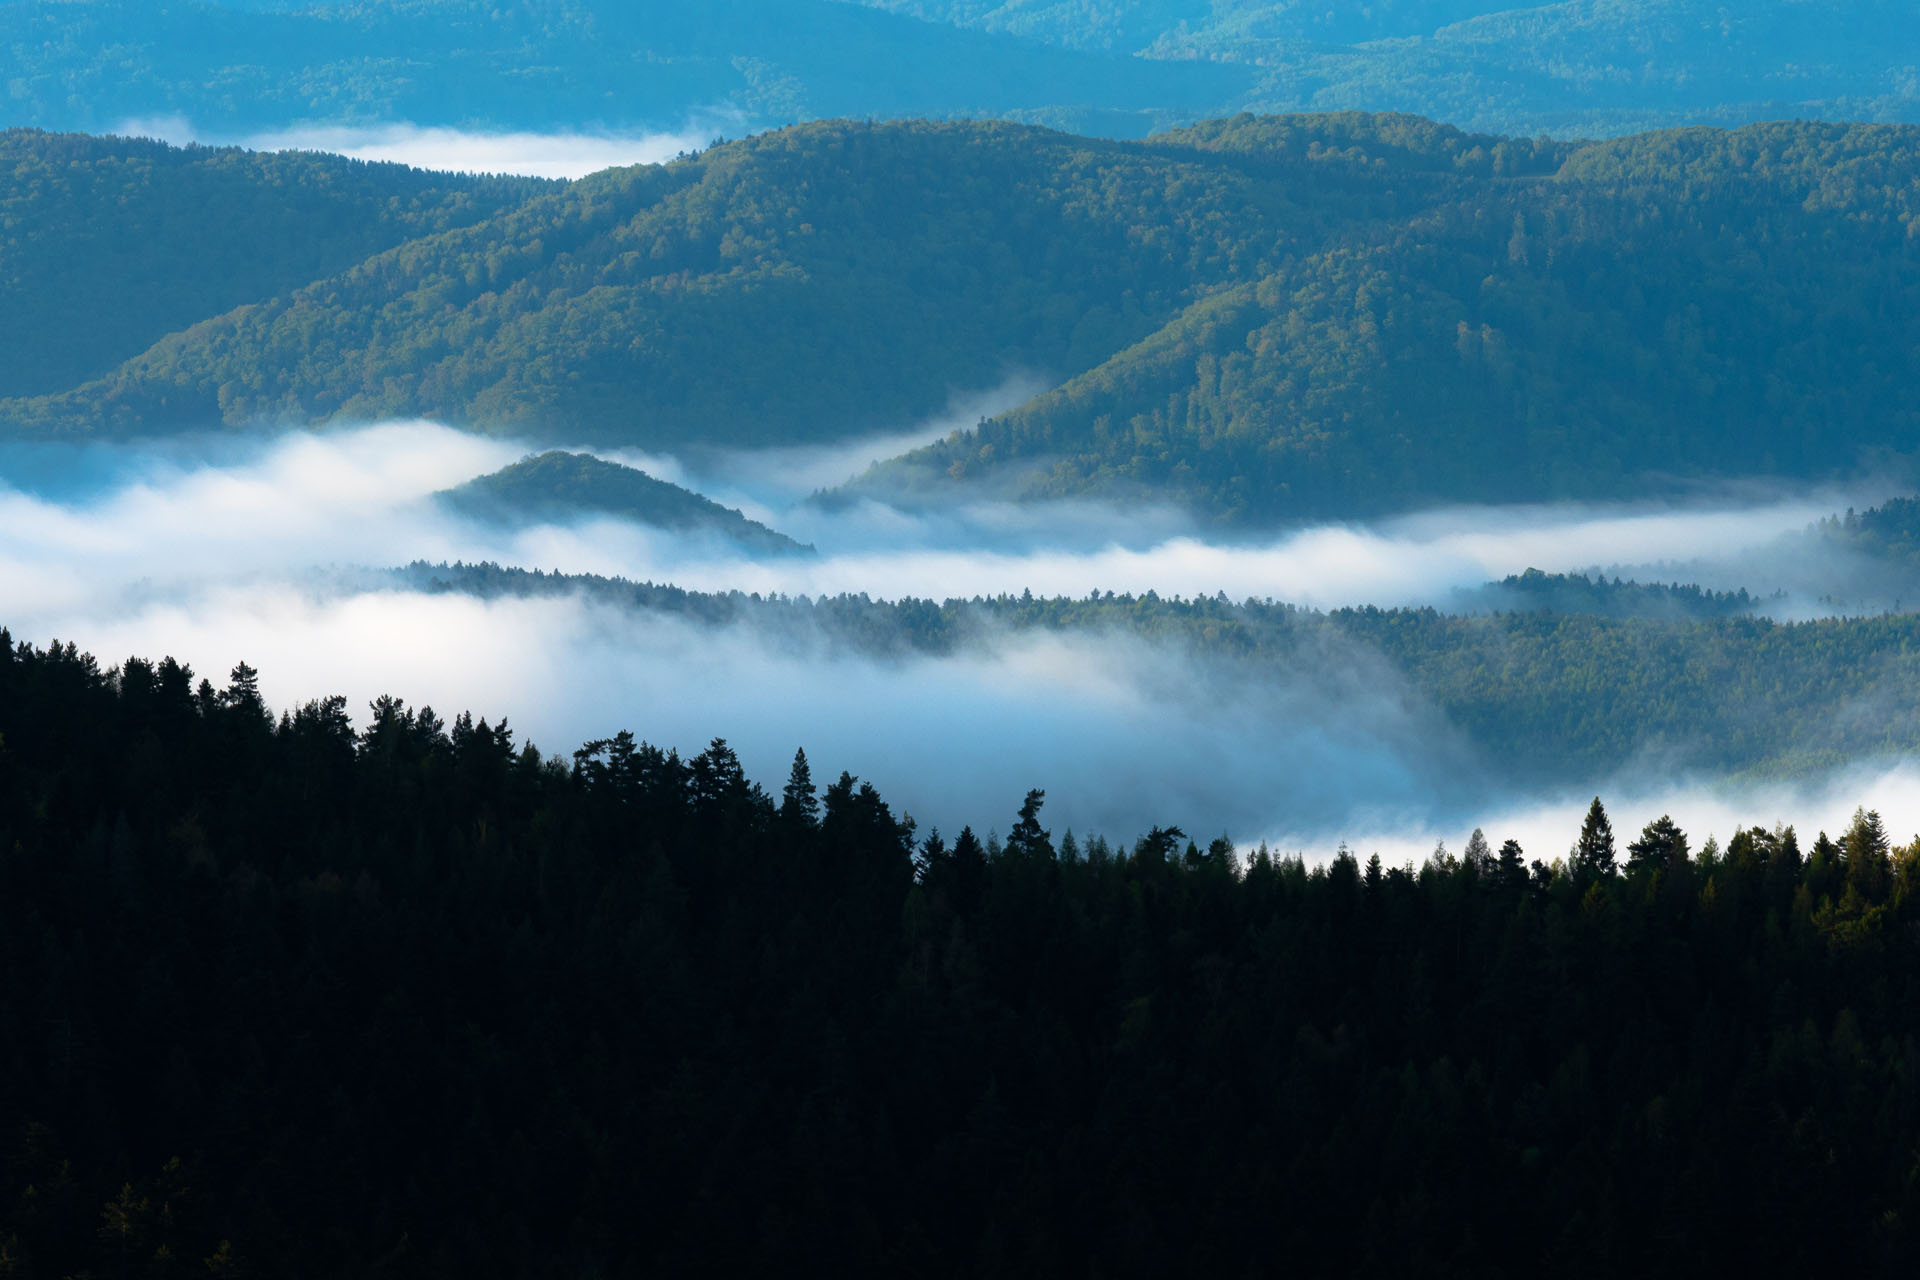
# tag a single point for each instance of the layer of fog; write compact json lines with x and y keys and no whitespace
{"x":770,"y":481}
{"x":1547,"y":826}
{"x":217,"y":550}
{"x":180,"y":512}
{"x":1121,"y":734}
{"x":539,"y":155}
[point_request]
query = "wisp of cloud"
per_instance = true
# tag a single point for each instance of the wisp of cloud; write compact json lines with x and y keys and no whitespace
{"x":537,"y":155}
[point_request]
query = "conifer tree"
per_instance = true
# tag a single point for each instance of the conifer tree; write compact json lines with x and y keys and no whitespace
{"x":798,"y":803}
{"x":1511,"y":872}
{"x":1869,"y":856}
{"x":1593,"y":853}
{"x":1661,"y":844}
{"x":1027,"y":839}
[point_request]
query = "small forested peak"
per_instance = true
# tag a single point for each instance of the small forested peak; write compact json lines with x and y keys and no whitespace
{"x":1661,"y":844}
{"x":1593,"y":852}
{"x":561,"y":486}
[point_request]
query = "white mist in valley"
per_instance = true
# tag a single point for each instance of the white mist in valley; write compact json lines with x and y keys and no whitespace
{"x":1546,"y":827}
{"x":217,"y":551}
{"x":569,"y":154}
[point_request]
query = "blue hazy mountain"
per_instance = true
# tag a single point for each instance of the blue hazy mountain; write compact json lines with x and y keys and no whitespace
{"x":1261,"y":319}
{"x":1592,"y":67}
{"x":232,"y":67}
{"x":1588,"y":67}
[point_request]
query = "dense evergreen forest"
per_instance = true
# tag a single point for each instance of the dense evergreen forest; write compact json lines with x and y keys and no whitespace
{"x":289,"y":998}
{"x":1661,"y":301}
{"x":1265,"y":319}
{"x":107,"y":245}
{"x":574,"y":486}
{"x":1548,"y":689}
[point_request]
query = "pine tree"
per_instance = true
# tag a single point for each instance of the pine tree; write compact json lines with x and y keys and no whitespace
{"x":1593,"y":853}
{"x":1869,"y":856}
{"x":1511,"y":872}
{"x":1027,"y":840}
{"x":1661,"y":844}
{"x":798,"y":803}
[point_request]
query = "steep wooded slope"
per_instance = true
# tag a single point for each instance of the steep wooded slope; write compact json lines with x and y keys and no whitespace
{"x":109,"y":244}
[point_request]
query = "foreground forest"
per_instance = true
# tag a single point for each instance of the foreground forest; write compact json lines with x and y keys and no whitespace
{"x":290,"y":998}
{"x":1262,"y":319}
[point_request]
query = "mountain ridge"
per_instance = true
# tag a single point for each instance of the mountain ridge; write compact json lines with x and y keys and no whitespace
{"x":1262,"y":318}
{"x":557,"y":485}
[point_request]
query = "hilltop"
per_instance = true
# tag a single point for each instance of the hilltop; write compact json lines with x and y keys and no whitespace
{"x":557,"y":485}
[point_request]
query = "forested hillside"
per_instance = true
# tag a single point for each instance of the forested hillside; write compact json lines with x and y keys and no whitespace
{"x":1115,"y":67}
{"x":1264,"y":319}
{"x":557,"y":65}
{"x":1680,"y":304}
{"x":286,"y":998}
{"x":576,"y":486}
{"x":1579,"y":67}
{"x":109,"y":244}
{"x":810,"y":283}
{"x":1229,"y":28}
{"x":1570,"y":680}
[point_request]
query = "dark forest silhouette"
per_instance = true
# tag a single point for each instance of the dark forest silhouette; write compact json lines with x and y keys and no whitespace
{"x":287,"y":998}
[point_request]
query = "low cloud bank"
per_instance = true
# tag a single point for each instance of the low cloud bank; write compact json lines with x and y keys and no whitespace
{"x":216,"y":551}
{"x":539,"y":155}
{"x":1546,"y":827}
{"x":1121,"y":734}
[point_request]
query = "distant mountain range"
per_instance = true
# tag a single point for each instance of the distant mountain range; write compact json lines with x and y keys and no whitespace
{"x":1113,"y":67}
{"x":1583,"y":67}
{"x":570,"y":486}
{"x":231,"y":67}
{"x":1263,"y":319}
